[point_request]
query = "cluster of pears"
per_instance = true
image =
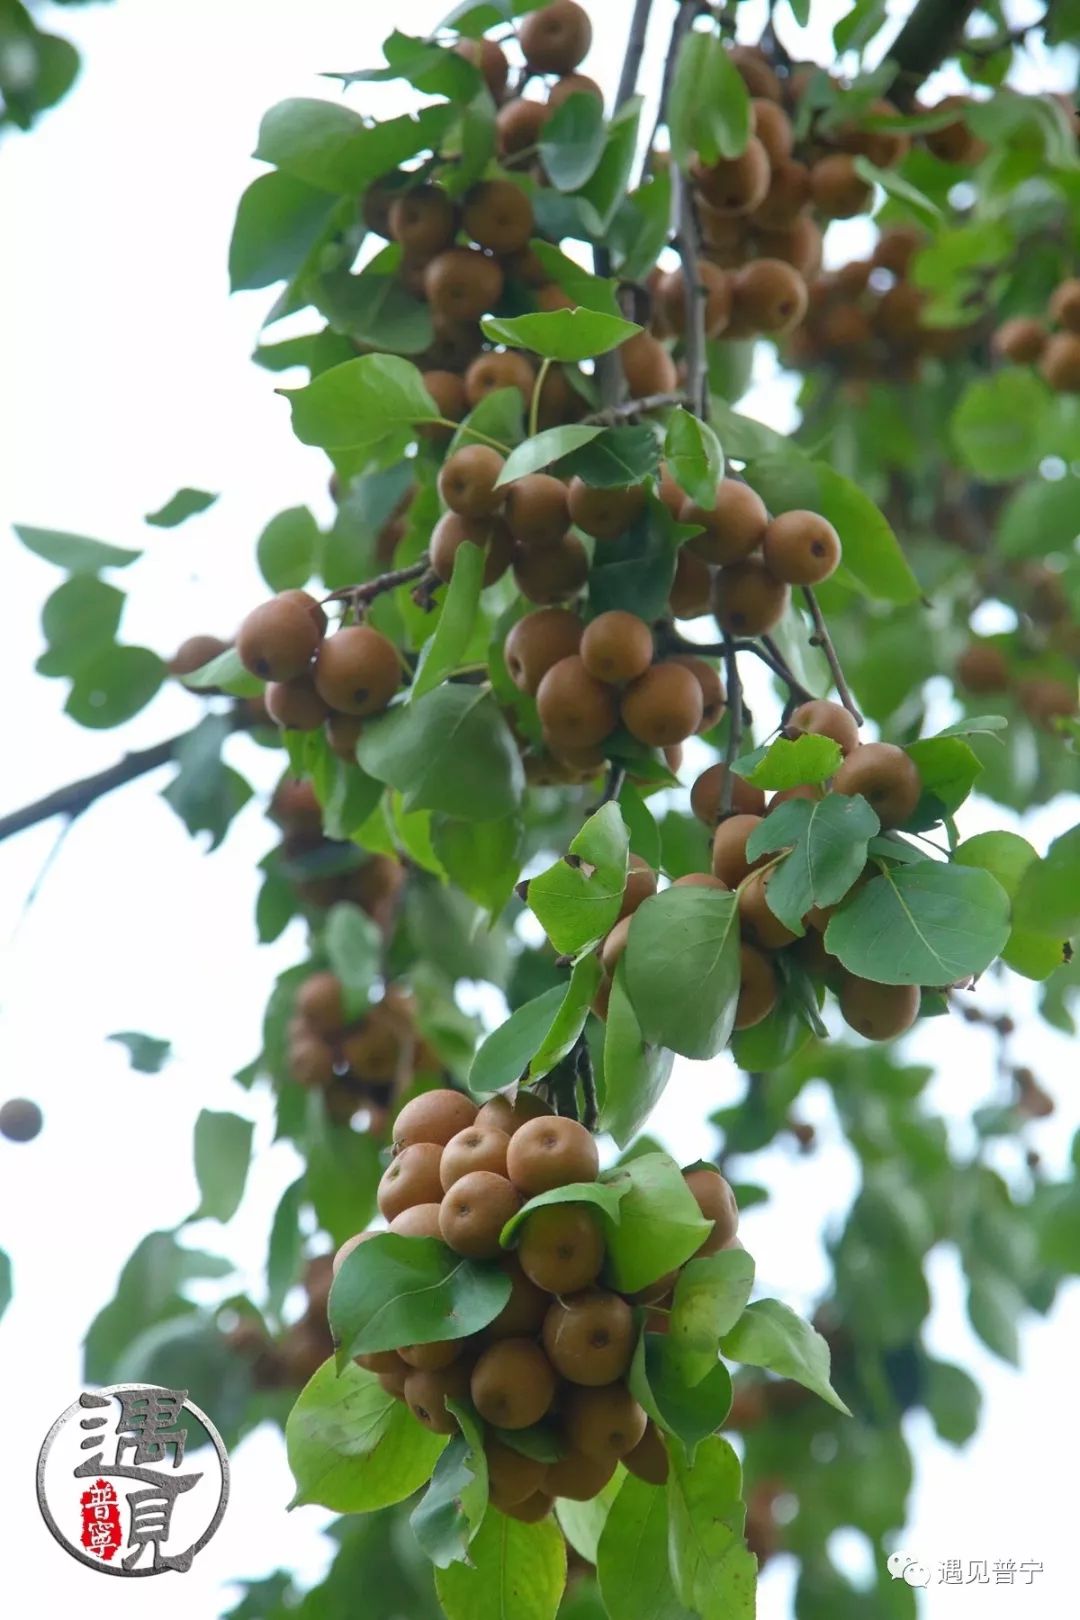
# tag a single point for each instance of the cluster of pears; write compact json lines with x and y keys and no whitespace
{"x":887,"y":778}
{"x":865,"y":319}
{"x":357,"y":1061}
{"x":759,"y":213}
{"x":1052,"y":344}
{"x":559,"y":1352}
{"x":467,"y":258}
{"x":325,"y":871}
{"x":315,"y":680}
{"x":288,"y":1361}
{"x":590,"y":679}
{"x":984,"y":668}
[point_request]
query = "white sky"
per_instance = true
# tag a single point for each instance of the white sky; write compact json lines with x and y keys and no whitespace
{"x":127,"y":375}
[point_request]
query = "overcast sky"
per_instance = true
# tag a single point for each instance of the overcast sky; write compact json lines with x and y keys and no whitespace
{"x":126,"y":376}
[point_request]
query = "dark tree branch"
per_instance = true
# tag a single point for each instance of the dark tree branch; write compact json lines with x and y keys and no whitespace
{"x":72,"y":800}
{"x":633,"y":407}
{"x":613,"y":786}
{"x":930,"y":34}
{"x":590,"y":1113}
{"x":370,"y":589}
{"x":609,"y":371}
{"x":821,"y":638}
{"x":735,"y":722}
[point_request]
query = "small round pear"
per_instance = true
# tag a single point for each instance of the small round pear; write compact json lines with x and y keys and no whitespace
{"x":748,"y":599}
{"x":801,"y":548}
{"x":509,"y":1116}
{"x":434,"y":1116}
{"x":477,"y":1147}
{"x":575,"y":709}
{"x":411,"y":1178}
{"x":20,"y":1119}
{"x":467,"y":481}
{"x":511,"y":1475}
{"x":758,"y":987}
{"x":426,"y":1395}
{"x":561,"y":1248}
{"x":419,"y":1220}
{"x":512,"y":1384}
{"x":589,"y":1338}
{"x":822,"y":718}
{"x":551,"y":1152}
{"x":729,"y":858}
{"x":357,"y":670}
{"x":537,"y":642}
{"x":474,"y":1211}
{"x":879,"y":1012}
{"x":278,"y":640}
{"x":649,"y":1459}
{"x":556,"y":38}
{"x":885,"y":776}
{"x":604,"y":1423}
{"x":663,"y":706}
{"x":716,"y":1201}
{"x":706,"y":795}
{"x":617,"y":647}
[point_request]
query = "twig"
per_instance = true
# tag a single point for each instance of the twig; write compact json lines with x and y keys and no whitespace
{"x":72,"y":800}
{"x":613,"y":786}
{"x":821,"y":638}
{"x":770,"y":654}
{"x":767,"y":651}
{"x":688,"y":249}
{"x":609,"y":370}
{"x":735,"y":723}
{"x":928,"y":36}
{"x":370,"y":589}
{"x":632,"y":407}
{"x":590,"y":1114}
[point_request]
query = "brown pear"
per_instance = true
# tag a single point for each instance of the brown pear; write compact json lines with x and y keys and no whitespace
{"x":551,"y":1152}
{"x":885,"y":776}
{"x":575,"y":708}
{"x":357,"y":670}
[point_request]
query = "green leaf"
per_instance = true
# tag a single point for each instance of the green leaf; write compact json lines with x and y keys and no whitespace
{"x":995,"y":1305}
{"x":998,"y":425}
{"x":1048,"y":897}
{"x":616,"y":457}
{"x":148,"y":1055}
{"x":395,"y":1290}
{"x":287,"y":549}
{"x":604,"y":192}
{"x":343,"y":1173}
{"x":569,"y":1020}
{"x":361,"y":404}
{"x":745,"y":439}
{"x":473,"y":137}
{"x":184,"y":504}
{"x":451,"y":751}
{"x":578,"y":899}
{"x":5,"y":1282}
{"x":948,"y":768}
{"x":928,"y":923}
{"x":1041,"y":517}
{"x":587,"y":291}
{"x":659,"y":1223}
{"x":286,"y":1247}
{"x":807,"y":759}
{"x":715,"y":1574}
{"x":499,"y":415}
{"x":635,"y":1072}
{"x":517,"y":1572}
{"x":222,"y":1156}
{"x":373,"y":307}
{"x":569,"y":335}
{"x":542,"y":449}
{"x":72,"y":552}
{"x":709,"y":106}
{"x":572,"y":141}
{"x":873,"y":560}
{"x":1030,"y":951}
{"x":953,"y":1400}
{"x":450,"y":1512}
{"x":330,"y":147}
{"x":605,"y":1196}
{"x":900,"y":190}
{"x":682,"y":969}
{"x":769,"y":1334}
{"x":435,"y":69}
{"x":690,"y":1411}
{"x":225,"y":673}
{"x":205,"y":792}
{"x":694,"y":457}
{"x":829,"y":842}
{"x":114,"y":686}
{"x":481,"y":857}
{"x":637,"y":576}
{"x":79,"y":620}
{"x":632,"y":1556}
{"x":583,"y":1522}
{"x":648,"y":211}
{"x":445,"y":649}
{"x":710,"y":1296}
{"x":354,"y":1448}
{"x":278,"y":221}
{"x":354,"y":946}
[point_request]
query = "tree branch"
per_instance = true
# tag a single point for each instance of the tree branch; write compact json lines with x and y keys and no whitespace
{"x":370,"y":589}
{"x":72,"y":800}
{"x":735,"y":723}
{"x":609,"y":371}
{"x":928,"y":36}
{"x":821,"y":638}
{"x":633,"y":407}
